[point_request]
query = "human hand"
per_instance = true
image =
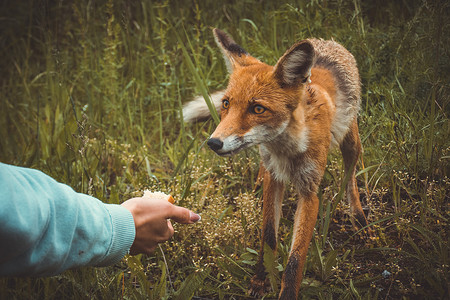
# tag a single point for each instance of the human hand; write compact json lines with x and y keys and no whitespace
{"x":151,"y":218}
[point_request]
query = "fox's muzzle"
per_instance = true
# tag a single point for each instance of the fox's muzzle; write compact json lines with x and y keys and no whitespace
{"x":215,"y":144}
{"x":228,"y":146}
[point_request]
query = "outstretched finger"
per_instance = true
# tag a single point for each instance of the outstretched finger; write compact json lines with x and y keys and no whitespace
{"x":183,"y":215}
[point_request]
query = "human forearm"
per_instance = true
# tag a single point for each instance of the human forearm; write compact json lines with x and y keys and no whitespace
{"x":48,"y":228}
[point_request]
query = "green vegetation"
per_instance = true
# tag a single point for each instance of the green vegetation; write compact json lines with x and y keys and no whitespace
{"x":91,"y":94}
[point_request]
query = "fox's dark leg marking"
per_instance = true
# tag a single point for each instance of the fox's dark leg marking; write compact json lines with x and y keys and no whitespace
{"x":290,"y":277}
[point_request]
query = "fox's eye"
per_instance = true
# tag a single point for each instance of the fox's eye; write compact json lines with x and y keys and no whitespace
{"x":258,"y":109}
{"x":225,"y":103}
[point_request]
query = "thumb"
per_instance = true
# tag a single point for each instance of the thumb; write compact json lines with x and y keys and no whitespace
{"x":183,"y":215}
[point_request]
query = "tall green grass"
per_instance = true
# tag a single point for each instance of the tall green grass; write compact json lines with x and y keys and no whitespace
{"x":91,"y":93}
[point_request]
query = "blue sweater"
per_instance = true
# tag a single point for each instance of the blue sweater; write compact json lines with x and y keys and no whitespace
{"x":46,"y":227}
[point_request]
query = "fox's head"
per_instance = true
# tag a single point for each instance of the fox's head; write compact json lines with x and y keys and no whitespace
{"x":260,"y":100}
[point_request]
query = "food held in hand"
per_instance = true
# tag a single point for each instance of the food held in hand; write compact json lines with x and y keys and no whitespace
{"x":158,"y":195}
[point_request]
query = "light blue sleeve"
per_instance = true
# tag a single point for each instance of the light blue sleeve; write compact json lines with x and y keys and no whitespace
{"x":46,"y":227}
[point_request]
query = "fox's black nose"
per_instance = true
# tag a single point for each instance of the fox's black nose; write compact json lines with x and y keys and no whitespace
{"x":215,"y":144}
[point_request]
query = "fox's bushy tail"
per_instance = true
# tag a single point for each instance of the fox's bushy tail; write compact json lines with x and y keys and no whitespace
{"x":197,"y":109}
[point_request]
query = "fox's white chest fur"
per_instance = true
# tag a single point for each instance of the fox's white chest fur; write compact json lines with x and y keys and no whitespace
{"x":279,"y":155}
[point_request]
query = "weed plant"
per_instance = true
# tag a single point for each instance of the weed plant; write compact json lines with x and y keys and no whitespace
{"x":91,"y":94}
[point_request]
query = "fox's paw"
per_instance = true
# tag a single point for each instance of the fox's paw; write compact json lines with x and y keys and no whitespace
{"x":259,"y":287}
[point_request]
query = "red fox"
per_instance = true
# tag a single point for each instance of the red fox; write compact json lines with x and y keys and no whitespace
{"x":295,"y":111}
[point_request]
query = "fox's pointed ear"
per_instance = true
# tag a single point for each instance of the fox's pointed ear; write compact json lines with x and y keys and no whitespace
{"x":294,"y":67}
{"x":234,"y":54}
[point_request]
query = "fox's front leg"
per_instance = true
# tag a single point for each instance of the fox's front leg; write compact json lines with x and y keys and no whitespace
{"x":305,"y":220}
{"x":273,"y":191}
